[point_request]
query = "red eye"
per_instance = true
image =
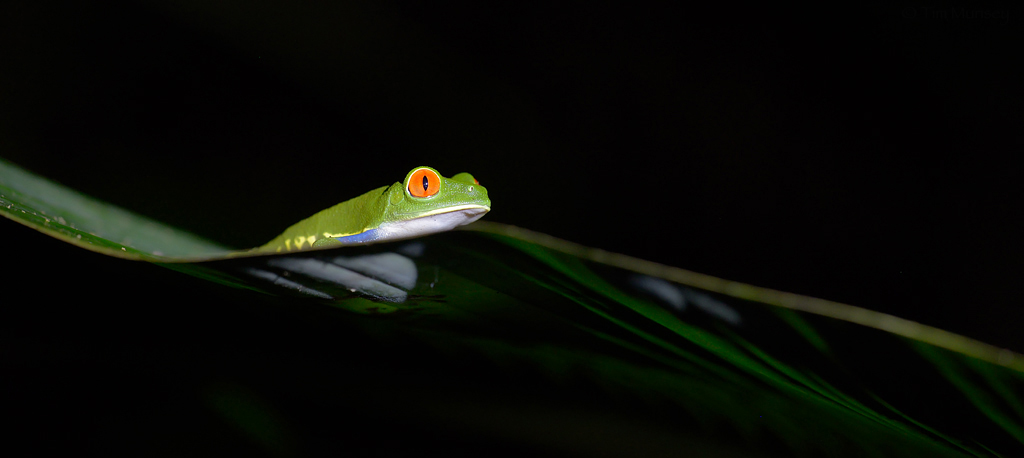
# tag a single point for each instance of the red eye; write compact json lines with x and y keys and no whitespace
{"x":424,"y":183}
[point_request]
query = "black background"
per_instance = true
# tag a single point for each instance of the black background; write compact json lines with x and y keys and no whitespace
{"x":864,"y":155}
{"x":858,"y":154}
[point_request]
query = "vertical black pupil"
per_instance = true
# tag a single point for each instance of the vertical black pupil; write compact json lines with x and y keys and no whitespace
{"x":425,"y":183}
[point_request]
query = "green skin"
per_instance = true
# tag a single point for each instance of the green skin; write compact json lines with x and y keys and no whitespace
{"x":387,"y":213}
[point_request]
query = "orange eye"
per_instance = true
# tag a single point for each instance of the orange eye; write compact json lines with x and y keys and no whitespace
{"x":424,"y":183}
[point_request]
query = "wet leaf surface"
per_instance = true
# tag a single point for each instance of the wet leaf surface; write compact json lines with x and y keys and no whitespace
{"x":465,"y":342}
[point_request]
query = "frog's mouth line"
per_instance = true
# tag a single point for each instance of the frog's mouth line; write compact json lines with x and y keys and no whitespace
{"x":440,"y":220}
{"x":471,"y":209}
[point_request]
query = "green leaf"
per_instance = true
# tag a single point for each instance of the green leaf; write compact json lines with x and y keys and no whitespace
{"x":63,"y":213}
{"x":777,"y":372}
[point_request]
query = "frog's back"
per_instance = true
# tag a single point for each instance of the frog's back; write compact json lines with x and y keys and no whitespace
{"x":354,"y":216}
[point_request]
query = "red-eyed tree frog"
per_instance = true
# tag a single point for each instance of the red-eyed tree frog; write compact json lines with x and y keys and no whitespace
{"x":425,"y":203}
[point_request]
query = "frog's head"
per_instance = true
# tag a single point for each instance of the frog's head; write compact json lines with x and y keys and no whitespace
{"x":426,"y":202}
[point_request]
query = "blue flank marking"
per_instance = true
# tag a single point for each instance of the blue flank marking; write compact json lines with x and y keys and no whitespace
{"x":367,"y":236}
